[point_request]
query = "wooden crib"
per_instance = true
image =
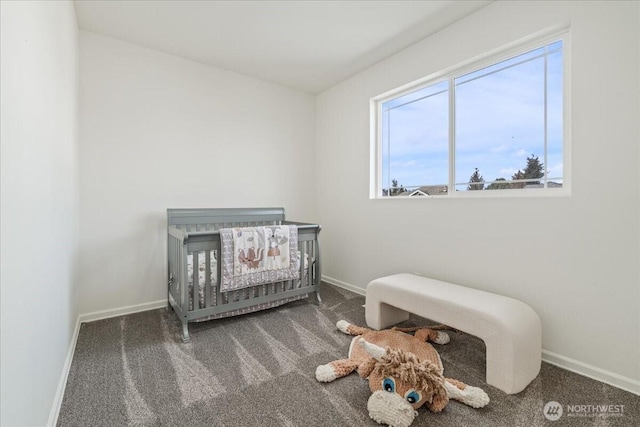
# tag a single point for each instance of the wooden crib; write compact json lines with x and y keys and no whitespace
{"x":194,"y":270}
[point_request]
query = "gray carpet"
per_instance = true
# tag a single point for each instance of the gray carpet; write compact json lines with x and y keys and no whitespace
{"x":258,"y":370}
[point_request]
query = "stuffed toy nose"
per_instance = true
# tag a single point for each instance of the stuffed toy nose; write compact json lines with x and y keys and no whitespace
{"x":391,"y":409}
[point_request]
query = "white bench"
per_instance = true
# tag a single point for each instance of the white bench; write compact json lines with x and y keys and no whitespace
{"x":510,"y":329}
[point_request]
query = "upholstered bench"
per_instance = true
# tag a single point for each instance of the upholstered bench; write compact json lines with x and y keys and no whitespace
{"x":510,"y":329}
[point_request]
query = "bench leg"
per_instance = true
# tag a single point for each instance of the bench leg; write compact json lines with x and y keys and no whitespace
{"x":381,"y":316}
{"x":513,"y":363}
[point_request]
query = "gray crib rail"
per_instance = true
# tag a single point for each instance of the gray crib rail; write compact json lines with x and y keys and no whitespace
{"x":197,"y":219}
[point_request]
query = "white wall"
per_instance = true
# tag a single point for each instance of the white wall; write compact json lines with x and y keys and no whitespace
{"x":162,"y":132}
{"x":39,"y":209}
{"x":575,"y":259}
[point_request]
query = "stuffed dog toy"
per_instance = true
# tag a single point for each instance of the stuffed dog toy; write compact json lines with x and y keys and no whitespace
{"x":404,"y":372}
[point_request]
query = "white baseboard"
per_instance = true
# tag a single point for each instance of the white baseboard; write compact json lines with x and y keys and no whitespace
{"x":62,"y":384}
{"x":581,"y":368}
{"x":114,"y":312}
{"x":85,"y":318}
{"x":593,"y":372}
{"x":344,"y":285}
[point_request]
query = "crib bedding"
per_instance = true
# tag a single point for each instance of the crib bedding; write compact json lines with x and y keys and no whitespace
{"x":257,"y":255}
{"x":194,"y":254}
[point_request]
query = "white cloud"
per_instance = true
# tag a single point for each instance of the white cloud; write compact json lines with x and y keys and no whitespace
{"x":521,"y":153}
{"x":405,"y":164}
{"x":508,"y":172}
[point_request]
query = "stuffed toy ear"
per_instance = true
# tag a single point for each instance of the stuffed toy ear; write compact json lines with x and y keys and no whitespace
{"x":374,"y":351}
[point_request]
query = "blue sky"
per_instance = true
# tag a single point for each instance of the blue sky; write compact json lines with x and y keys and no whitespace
{"x":499,"y":123}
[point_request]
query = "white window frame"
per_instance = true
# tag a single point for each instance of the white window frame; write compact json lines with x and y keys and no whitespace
{"x":504,"y":53}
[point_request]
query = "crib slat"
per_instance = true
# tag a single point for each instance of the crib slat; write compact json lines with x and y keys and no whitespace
{"x":196,"y":281}
{"x":184,"y":294}
{"x":207,"y":279}
{"x":175,"y":270}
{"x":218,"y":277}
{"x":311,"y":257}
{"x":182,"y":273}
{"x":177,"y":288}
{"x":303,"y":251}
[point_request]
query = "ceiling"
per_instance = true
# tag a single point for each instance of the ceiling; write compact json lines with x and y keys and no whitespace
{"x":305,"y":45}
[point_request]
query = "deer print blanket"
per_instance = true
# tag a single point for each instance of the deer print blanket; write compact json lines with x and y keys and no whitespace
{"x":256,"y":255}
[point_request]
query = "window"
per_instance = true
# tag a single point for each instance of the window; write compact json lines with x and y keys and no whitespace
{"x":492,"y":127}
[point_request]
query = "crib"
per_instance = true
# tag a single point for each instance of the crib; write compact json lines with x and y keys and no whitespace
{"x":194,"y":267}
